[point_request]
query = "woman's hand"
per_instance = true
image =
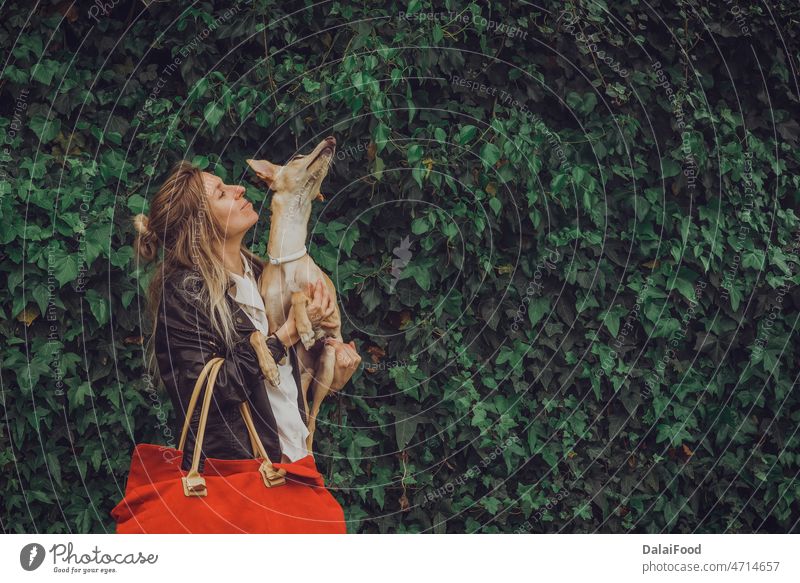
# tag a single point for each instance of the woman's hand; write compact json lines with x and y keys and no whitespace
{"x":347,"y":361}
{"x":288,"y":332}
{"x":321,"y":306}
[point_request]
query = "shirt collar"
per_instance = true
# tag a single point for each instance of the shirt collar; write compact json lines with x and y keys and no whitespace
{"x":247,"y":269}
{"x":246,"y":289}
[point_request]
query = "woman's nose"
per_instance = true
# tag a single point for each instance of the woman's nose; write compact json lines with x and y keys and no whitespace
{"x":239,"y":191}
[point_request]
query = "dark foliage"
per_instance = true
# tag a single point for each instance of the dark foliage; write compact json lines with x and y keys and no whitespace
{"x":564,"y":239}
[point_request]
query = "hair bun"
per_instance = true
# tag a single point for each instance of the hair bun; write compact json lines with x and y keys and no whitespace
{"x":146,"y":242}
{"x":142,"y":224}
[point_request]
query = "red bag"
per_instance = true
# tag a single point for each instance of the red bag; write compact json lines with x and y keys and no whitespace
{"x":231,"y":496}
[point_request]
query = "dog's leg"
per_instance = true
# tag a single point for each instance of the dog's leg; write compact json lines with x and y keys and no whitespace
{"x":326,"y":362}
{"x":306,"y":362}
{"x":304,"y":327}
{"x":265,"y":360}
{"x":320,"y":387}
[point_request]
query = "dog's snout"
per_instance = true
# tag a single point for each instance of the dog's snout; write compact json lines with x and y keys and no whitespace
{"x":331,"y":140}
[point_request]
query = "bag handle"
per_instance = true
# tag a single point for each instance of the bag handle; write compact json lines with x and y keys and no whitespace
{"x":269,"y":474}
{"x":193,"y":483}
{"x":193,"y":400}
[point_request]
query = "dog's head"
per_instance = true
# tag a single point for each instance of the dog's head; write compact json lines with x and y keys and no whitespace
{"x":299,"y":177}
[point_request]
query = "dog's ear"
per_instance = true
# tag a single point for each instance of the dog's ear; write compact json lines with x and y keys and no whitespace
{"x":266,"y":171}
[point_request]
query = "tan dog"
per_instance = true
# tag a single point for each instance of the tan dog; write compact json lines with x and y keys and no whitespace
{"x":285,"y":280}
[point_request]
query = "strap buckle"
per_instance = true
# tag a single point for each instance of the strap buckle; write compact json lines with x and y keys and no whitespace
{"x":194,"y":485}
{"x":270,"y":475}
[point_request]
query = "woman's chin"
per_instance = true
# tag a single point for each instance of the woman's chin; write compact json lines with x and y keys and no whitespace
{"x":241,"y":226}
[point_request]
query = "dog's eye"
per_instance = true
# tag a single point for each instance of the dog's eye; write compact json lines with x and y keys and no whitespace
{"x":296,"y":157}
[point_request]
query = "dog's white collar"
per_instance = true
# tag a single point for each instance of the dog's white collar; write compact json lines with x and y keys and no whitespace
{"x":287,"y":258}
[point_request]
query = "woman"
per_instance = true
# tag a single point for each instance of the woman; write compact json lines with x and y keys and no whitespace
{"x":204,"y":304}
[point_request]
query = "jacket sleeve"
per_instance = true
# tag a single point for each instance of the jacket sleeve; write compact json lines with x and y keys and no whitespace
{"x":188,"y":343}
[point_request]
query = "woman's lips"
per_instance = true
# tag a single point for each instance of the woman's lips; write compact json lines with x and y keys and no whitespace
{"x":244,"y":206}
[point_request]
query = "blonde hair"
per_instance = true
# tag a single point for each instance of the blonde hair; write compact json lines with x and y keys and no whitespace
{"x":181,"y":226}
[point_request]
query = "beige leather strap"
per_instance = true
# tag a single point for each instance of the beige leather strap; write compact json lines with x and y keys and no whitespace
{"x":193,"y":400}
{"x":269,"y":474}
{"x":253,"y":444}
{"x":193,"y":483}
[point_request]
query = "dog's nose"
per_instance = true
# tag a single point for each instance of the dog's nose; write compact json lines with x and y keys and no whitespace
{"x":331,"y":140}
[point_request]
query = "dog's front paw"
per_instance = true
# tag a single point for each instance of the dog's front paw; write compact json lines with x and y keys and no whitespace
{"x":272,"y":374}
{"x":308,"y":338}
{"x":265,"y":360}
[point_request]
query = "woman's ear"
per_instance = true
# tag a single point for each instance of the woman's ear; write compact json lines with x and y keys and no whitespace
{"x":266,"y":170}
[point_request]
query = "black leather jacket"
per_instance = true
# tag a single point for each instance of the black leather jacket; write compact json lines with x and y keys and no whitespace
{"x":184,"y":343}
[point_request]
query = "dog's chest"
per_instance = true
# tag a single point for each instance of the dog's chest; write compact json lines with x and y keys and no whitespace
{"x":279,"y":282}
{"x":298,"y":274}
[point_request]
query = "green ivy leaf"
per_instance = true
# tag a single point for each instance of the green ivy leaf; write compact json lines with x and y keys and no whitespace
{"x":538,"y":308}
{"x":213,"y":113}
{"x":77,"y":395}
{"x":490,"y":154}
{"x":382,"y":133}
{"x":414,"y":153}
{"x":670,"y":168}
{"x":419,"y":226}
{"x":65,"y":266}
{"x":44,"y":71}
{"x":349,"y":238}
{"x":98,"y":305}
{"x":45,"y":129}
{"x":466,"y":134}
{"x":405,"y":428}
{"x":558,"y":183}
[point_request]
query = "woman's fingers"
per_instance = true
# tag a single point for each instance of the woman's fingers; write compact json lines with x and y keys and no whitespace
{"x":347,"y":361}
{"x":357,"y":357}
{"x":348,"y":355}
{"x":347,"y":358}
{"x":316,"y":305}
{"x":341,"y":345}
{"x":322,"y":304}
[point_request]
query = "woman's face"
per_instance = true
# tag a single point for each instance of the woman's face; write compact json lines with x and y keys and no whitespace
{"x":234,"y":213}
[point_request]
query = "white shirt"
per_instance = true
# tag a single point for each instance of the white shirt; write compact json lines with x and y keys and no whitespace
{"x":292,"y":432}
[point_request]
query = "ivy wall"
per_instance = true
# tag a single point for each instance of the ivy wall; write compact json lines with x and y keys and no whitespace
{"x":564,"y":237}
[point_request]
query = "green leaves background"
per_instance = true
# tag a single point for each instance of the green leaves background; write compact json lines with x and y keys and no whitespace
{"x":575,"y":290}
